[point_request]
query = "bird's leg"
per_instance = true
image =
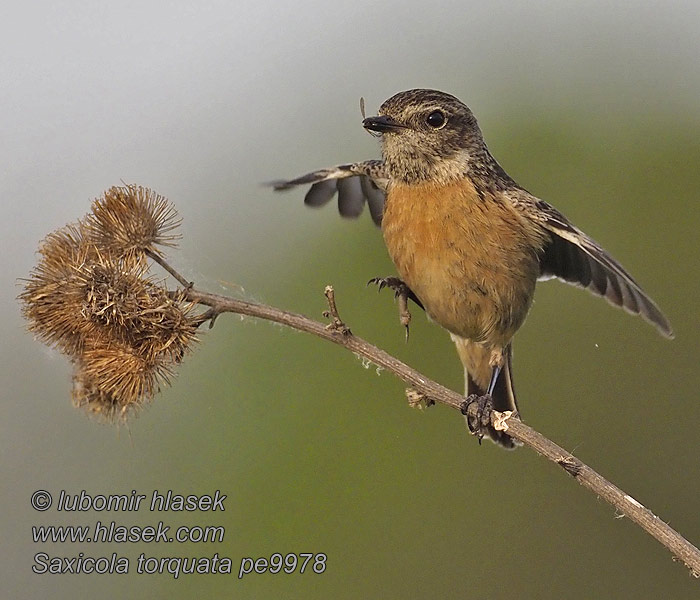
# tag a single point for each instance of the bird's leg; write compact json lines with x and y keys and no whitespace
{"x":496,"y":371}
{"x":400,"y":288}
{"x":401,"y":292}
{"x":478,"y":420}
{"x":496,"y":362}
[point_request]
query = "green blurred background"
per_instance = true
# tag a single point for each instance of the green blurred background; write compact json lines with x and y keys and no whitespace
{"x":592,"y":106}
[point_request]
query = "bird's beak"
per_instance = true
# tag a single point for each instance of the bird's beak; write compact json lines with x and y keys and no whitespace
{"x":382,"y":124}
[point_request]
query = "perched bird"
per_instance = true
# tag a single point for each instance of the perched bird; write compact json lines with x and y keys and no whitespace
{"x":467,"y":241}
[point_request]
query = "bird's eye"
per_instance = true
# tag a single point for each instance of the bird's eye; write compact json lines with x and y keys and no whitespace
{"x":436,"y":119}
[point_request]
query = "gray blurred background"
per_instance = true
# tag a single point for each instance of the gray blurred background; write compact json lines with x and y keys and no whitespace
{"x":592,"y":106}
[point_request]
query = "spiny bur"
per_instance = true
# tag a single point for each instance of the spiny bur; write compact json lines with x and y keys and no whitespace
{"x":91,"y":297}
{"x":131,"y":220}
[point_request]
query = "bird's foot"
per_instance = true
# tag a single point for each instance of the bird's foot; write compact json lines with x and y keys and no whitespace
{"x":401,"y":292}
{"x":477,"y":410}
{"x":393,"y":283}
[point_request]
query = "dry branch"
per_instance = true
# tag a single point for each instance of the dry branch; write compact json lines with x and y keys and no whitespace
{"x":91,"y":297}
{"x":339,"y":333}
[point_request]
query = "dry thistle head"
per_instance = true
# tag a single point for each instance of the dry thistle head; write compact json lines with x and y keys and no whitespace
{"x":130,"y":220}
{"x":124,"y":363}
{"x":122,"y":305}
{"x":113,"y":383}
{"x":167,"y":330}
{"x":91,"y":296}
{"x":117,"y":376}
{"x":96,"y":402}
{"x":52,"y":296}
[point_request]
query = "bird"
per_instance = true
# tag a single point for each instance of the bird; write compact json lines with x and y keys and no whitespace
{"x":468,"y":242}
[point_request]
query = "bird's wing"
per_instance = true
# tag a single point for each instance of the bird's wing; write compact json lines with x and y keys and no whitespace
{"x":355,"y":184}
{"x":577,"y":259}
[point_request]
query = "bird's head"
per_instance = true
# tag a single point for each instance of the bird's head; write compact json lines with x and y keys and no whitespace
{"x":427,"y":135}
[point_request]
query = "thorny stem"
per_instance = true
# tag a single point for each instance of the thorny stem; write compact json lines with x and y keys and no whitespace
{"x":431,"y":391}
{"x":336,"y":323}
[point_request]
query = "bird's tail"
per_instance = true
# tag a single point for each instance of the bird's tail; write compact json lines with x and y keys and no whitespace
{"x":477,"y":375}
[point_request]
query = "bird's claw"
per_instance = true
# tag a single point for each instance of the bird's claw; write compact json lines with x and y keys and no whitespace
{"x":394,"y":283}
{"x":479,"y":417}
{"x":401,"y":292}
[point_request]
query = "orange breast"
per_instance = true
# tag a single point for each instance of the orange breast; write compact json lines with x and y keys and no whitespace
{"x":472,"y":261}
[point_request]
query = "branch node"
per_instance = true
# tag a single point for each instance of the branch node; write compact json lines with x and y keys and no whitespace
{"x":212,"y":315}
{"x":209,"y":315}
{"x":499,"y":420}
{"x":336,"y":323}
{"x":571,"y":465}
{"x":418,"y":399}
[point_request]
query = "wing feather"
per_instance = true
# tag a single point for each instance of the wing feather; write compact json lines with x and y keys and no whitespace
{"x":355,"y":184}
{"x":577,"y":259}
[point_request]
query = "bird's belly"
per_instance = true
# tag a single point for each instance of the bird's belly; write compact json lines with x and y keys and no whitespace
{"x":465,"y":258}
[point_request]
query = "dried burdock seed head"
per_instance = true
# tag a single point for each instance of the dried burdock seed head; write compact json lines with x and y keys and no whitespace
{"x":49,"y":300}
{"x":166,"y":331}
{"x":112,"y":294}
{"x":129,"y":220}
{"x":120,"y":375}
{"x":125,"y":308}
{"x":97,"y":403}
{"x":79,"y":291}
{"x":76,"y":289}
{"x":121,"y":367}
{"x":91,"y":296}
{"x":92,"y":396}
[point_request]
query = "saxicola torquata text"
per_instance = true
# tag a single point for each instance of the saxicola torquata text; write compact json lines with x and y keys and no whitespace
{"x":468,"y":242}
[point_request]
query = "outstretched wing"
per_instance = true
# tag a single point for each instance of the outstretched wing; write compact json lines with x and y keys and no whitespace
{"x":356,"y":184}
{"x":575,"y":258}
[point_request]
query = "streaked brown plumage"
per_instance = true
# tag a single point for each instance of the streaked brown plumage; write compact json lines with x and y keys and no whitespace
{"x":465,"y":238}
